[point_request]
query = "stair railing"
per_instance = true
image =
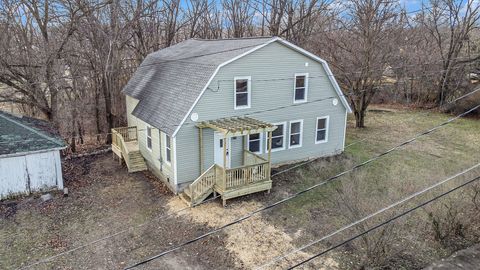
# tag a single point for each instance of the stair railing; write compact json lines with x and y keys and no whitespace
{"x":204,"y":182}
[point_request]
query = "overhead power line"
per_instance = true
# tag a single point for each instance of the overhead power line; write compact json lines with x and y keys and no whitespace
{"x":290,"y":197}
{"x":385,"y":222}
{"x":183,"y":209}
{"x":391,"y":206}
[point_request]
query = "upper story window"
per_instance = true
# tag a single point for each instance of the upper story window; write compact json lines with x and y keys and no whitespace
{"x":278,"y":137}
{"x":242,"y":92}
{"x":296,"y":130}
{"x":300,"y":88}
{"x":149,"y":138}
{"x":321,"y":135}
{"x":168,"y":149}
{"x":255,"y":143}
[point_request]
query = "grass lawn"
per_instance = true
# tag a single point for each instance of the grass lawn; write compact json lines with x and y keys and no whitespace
{"x":392,"y":177}
{"x":104,"y":198}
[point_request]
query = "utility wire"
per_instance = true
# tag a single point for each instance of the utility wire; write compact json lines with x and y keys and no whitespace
{"x":416,"y":194}
{"x":385,"y":222}
{"x":183,"y":209}
{"x":261,"y":209}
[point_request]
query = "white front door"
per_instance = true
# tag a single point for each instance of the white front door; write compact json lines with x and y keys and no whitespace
{"x":219,"y":145}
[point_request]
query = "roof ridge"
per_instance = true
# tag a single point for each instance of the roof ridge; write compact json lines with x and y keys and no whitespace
{"x":222,"y":39}
{"x":41,"y":134}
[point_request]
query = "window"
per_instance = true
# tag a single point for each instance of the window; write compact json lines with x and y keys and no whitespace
{"x":296,"y":129}
{"x":255,"y":143}
{"x":300,"y":88}
{"x":168,"y":149}
{"x":149,"y":138}
{"x":278,"y":137}
{"x":321,"y":135}
{"x":242,"y":92}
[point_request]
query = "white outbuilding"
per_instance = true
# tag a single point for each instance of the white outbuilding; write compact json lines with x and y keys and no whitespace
{"x":29,"y":156}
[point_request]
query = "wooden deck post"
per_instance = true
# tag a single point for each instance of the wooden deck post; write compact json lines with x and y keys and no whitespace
{"x":200,"y":138}
{"x":269,"y":154}
{"x":224,"y":165}
{"x":245,"y":147}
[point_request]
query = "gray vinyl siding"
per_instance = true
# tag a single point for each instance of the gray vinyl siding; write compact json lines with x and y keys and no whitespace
{"x":274,"y":61}
{"x":155,"y":158}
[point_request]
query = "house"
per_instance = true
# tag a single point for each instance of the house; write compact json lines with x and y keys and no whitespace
{"x":29,"y":156}
{"x":203,"y":113}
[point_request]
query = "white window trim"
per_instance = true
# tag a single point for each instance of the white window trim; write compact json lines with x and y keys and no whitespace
{"x":284,"y":137}
{"x":165,"y":149}
{"x":295,"y":87}
{"x":327,"y":127}
{"x":146,"y":137}
{"x":260,"y":143}
{"x":290,"y":133}
{"x":249,"y":92}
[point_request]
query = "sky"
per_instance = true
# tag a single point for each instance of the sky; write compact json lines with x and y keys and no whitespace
{"x":412,"y":5}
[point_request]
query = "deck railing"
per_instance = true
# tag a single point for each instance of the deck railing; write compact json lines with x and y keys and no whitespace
{"x":246,"y":175}
{"x":120,"y":136}
{"x":128,"y":133}
{"x":251,"y":158}
{"x":204,"y":182}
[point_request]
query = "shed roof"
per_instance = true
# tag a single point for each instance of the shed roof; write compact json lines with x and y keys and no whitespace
{"x":170,"y":81}
{"x":26,"y":134}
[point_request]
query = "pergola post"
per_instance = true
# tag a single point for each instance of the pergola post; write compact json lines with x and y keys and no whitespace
{"x":200,"y":138}
{"x":269,"y":154}
{"x":225,"y":159}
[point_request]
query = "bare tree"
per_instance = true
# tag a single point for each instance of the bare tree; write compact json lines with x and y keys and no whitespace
{"x":31,"y":53}
{"x":361,"y":49}
{"x":450,"y":23}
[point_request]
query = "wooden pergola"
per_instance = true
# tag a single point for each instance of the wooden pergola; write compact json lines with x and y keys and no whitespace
{"x":233,"y":127}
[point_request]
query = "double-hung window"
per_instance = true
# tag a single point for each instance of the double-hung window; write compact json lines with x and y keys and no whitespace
{"x":168,"y":149}
{"x":255,"y":143}
{"x":242,"y":97}
{"x":278,"y":137}
{"x":149,"y":138}
{"x":321,"y":134}
{"x":296,"y":130}
{"x":300,"y":88}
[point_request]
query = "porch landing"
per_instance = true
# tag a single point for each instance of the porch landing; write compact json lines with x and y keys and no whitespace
{"x":252,"y":177}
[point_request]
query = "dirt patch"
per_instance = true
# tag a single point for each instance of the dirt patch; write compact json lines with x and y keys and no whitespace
{"x":103,"y":199}
{"x":253,"y":241}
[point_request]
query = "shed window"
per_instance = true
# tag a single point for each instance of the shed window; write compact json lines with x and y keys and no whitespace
{"x":300,"y":88}
{"x":278,"y":137}
{"x":149,"y":138}
{"x":296,"y":129}
{"x":255,"y":143}
{"x":168,"y":149}
{"x":321,"y":130}
{"x":242,"y":92}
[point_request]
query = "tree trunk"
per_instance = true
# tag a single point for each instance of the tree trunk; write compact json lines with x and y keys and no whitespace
{"x":360,"y":118}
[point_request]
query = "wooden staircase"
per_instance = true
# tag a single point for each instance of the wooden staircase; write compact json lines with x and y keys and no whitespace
{"x":136,"y":162}
{"x":202,"y":187}
{"x":125,"y":146}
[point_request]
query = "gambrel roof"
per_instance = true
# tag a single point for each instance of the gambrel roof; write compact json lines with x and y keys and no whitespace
{"x":170,"y":82}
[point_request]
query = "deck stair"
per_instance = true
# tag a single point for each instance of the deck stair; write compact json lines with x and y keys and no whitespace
{"x":252,"y":177}
{"x":201,"y":188}
{"x":125,"y":146}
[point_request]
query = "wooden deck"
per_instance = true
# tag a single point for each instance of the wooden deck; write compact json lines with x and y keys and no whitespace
{"x":125,"y":146}
{"x":252,"y":177}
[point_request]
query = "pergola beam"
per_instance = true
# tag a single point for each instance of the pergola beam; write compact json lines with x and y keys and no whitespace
{"x":237,"y":126}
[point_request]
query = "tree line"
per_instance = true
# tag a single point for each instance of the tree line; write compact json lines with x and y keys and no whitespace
{"x":68,"y":60}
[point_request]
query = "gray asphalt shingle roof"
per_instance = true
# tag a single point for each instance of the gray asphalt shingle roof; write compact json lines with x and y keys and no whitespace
{"x":25,"y":134}
{"x":168,"y":81}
